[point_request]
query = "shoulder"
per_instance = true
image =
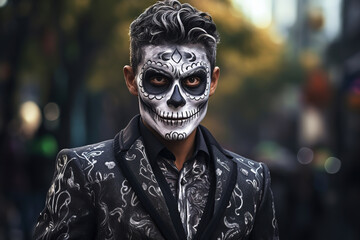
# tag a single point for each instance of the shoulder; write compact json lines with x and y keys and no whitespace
{"x":88,"y":152}
{"x":98,"y":155}
{"x":255,"y":173}
{"x":246,"y":164}
{"x":91,"y":149}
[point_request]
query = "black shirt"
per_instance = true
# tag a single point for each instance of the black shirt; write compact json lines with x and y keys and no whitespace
{"x":189,"y":186}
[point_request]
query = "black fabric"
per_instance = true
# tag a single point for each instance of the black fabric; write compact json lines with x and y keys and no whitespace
{"x":155,"y":149}
{"x":108,"y":190}
{"x":166,"y":233}
{"x":170,"y":200}
{"x":209,"y":231}
{"x":128,"y":135}
{"x":209,"y":209}
{"x":210,"y":140}
{"x":261,"y":226}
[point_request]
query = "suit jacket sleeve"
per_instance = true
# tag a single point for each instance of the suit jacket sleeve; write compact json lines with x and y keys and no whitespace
{"x":265,"y":226}
{"x":68,"y":212}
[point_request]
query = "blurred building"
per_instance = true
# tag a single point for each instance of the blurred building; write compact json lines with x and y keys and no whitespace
{"x":324,"y":36}
{"x":344,"y":57}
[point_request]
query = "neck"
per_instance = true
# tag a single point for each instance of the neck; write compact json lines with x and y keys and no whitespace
{"x":182,"y":149}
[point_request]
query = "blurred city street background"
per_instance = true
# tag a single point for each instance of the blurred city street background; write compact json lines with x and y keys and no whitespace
{"x":288,"y":95}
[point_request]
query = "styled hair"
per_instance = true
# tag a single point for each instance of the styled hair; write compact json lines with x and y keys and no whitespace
{"x":170,"y":21}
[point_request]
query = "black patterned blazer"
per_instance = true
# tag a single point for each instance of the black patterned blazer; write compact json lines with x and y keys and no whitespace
{"x":108,"y":191}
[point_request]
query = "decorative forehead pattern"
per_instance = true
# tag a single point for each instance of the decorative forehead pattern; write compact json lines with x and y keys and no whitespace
{"x":176,"y":56}
{"x":177,"y":61}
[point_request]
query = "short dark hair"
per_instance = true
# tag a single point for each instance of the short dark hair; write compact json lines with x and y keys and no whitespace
{"x":170,"y":21}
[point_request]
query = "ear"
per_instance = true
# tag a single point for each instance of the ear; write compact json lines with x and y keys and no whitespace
{"x":214,"y":80}
{"x":130,"y":80}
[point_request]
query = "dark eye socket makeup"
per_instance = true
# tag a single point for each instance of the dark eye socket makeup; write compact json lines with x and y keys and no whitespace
{"x":194,"y":78}
{"x":152,"y":73}
{"x":194,"y":82}
{"x":156,"y":81}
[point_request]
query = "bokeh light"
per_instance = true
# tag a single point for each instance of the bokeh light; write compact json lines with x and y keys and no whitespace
{"x":48,"y":145}
{"x":305,"y":155}
{"x":51,"y":111}
{"x":332,"y":165}
{"x":258,"y":11}
{"x":30,"y":115}
{"x":312,"y":128}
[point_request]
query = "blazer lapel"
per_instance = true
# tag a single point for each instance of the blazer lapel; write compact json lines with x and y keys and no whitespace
{"x":226,"y":175}
{"x":132,"y":159}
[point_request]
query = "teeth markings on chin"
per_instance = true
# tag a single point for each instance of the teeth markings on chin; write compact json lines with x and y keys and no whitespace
{"x":176,"y":118}
{"x":170,"y":118}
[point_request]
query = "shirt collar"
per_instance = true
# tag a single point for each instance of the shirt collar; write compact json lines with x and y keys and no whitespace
{"x":154,"y":147}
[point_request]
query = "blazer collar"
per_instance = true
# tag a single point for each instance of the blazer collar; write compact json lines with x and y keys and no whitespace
{"x":211,"y":141}
{"x":126,"y":137}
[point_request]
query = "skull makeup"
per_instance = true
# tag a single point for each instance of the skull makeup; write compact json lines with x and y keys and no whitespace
{"x":174,"y":84}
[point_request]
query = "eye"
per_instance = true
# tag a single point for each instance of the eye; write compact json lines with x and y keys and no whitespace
{"x":155,"y":81}
{"x":192,"y":81}
{"x":159,"y":81}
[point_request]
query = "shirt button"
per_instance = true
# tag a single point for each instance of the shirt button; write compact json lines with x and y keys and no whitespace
{"x":183,"y":181}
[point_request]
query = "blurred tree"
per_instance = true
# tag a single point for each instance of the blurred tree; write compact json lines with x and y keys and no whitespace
{"x":72,"y":52}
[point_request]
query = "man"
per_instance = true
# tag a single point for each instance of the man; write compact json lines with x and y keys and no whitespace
{"x":164,"y":176}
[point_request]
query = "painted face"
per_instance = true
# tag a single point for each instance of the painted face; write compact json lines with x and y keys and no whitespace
{"x":174,"y":84}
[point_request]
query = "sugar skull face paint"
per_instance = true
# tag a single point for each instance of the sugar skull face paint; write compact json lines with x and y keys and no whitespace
{"x":174,"y":84}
